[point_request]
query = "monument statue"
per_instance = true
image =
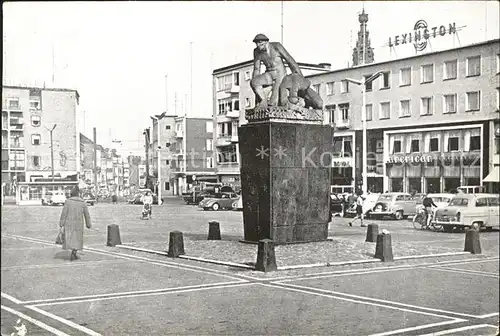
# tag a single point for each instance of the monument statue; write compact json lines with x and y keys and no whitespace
{"x":291,"y":95}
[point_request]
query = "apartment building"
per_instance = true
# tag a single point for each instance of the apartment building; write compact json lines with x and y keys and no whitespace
{"x":432,"y":120}
{"x":29,"y":116}
{"x":186,"y":152}
{"x":232,"y":94}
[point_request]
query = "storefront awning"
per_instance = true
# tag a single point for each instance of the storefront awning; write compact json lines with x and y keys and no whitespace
{"x":493,"y":176}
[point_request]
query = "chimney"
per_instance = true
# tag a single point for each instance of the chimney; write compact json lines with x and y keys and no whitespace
{"x":327,"y":66}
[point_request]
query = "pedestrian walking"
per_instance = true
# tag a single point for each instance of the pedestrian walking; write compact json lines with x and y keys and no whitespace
{"x":359,"y":210}
{"x":147,"y":201}
{"x":73,"y":216}
{"x":114,"y":198}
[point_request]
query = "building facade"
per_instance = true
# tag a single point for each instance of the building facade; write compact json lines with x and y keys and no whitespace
{"x":29,"y":116}
{"x":232,"y":94}
{"x":431,"y":119}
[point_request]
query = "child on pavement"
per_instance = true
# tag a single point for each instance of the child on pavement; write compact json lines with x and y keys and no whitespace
{"x":359,"y":210}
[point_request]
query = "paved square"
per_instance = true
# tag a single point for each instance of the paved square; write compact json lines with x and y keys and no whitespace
{"x":236,"y":311}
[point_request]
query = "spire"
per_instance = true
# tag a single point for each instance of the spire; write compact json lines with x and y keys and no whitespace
{"x":362,"y":53}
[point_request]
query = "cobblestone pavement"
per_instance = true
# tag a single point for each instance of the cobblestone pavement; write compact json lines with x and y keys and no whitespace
{"x":116,"y":291}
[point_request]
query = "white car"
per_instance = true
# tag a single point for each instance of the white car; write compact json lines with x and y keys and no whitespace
{"x":54,"y":198}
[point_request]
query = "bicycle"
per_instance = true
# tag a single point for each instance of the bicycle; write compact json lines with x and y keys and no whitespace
{"x":420,"y":221}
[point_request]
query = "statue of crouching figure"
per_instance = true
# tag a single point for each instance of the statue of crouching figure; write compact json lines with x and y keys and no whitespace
{"x":296,"y":90}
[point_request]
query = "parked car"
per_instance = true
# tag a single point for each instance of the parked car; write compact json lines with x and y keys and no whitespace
{"x":54,"y":198}
{"x":89,"y":198}
{"x":370,"y":201}
{"x":471,"y":189}
{"x":397,"y":205}
{"x":219,"y":201}
{"x":441,"y":200}
{"x":475,"y":211}
{"x":238,"y":204}
{"x":195,"y":197}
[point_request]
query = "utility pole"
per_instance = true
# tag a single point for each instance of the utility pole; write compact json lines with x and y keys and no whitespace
{"x":95,"y":161}
{"x":52,"y":150}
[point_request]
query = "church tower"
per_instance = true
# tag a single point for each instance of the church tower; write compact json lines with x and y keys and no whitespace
{"x":363,"y":49}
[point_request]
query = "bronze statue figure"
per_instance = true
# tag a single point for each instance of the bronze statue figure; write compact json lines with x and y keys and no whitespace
{"x":296,"y":90}
{"x":272,"y":55}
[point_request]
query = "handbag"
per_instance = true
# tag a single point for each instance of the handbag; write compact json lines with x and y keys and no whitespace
{"x":60,"y":236}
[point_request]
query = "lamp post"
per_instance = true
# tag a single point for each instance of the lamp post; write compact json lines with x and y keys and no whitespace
{"x":363,"y":83}
{"x":51,"y":150}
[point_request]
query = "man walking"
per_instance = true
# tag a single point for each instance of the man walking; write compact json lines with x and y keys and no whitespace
{"x":359,"y":210}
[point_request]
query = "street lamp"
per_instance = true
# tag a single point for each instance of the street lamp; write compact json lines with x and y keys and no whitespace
{"x":363,"y":83}
{"x":158,"y":117}
{"x":51,"y":149}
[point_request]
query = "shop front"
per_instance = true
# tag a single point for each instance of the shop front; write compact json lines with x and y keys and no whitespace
{"x":433,"y":160}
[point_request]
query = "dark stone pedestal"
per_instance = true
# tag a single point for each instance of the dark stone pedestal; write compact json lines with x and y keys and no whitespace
{"x":383,"y":249}
{"x":176,"y":244}
{"x":472,"y":243}
{"x":285,"y":181}
{"x":113,"y":235}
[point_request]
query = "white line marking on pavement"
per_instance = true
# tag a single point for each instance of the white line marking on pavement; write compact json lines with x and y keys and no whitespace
{"x":34,"y":321}
{"x":377,"y":300}
{"x":488,"y":315}
{"x":442,"y":269}
{"x":74,"y":264}
{"x":347,"y":273}
{"x":425,"y":326}
{"x":314,"y":291}
{"x":26,"y":248}
{"x":450,"y":331}
{"x":199,"y":288}
{"x":11,"y":298}
{"x":466,"y":270}
{"x":64,"y":321}
{"x":125,"y":294}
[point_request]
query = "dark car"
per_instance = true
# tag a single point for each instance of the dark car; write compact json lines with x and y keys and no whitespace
{"x":195,"y":197}
{"x":89,"y":198}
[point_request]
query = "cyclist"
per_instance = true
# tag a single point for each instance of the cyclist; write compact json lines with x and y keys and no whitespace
{"x":428,"y":203}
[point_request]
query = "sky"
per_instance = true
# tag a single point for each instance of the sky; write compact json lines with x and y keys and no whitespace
{"x":129,"y":60}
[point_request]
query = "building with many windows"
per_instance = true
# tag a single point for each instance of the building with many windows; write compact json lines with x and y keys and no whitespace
{"x":431,"y":120}
{"x":28,"y":116}
{"x":232,"y":94}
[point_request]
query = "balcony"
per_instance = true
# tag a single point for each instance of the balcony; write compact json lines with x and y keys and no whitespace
{"x":343,"y":123}
{"x":223,"y":140}
{"x":228,"y":168}
{"x":233,"y":114}
{"x":16,"y":124}
{"x":232,"y":88}
{"x":179,"y":134}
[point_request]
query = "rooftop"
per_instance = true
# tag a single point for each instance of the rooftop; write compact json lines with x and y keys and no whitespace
{"x":41,"y":89}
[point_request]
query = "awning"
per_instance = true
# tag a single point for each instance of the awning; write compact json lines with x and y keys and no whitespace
{"x":493,"y":176}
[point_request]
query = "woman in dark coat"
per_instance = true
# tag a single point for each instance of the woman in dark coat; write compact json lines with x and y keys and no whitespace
{"x":73,"y":215}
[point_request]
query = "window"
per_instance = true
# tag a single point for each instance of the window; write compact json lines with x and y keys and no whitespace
{"x":167,"y":144}
{"x":167,"y":162}
{"x":415,"y":146}
{"x":34,"y":105}
{"x":482,"y":202}
{"x":368,"y":85}
{"x":453,"y":144}
{"x":168,"y":127}
{"x":209,"y":127}
{"x":344,"y":111}
{"x":473,"y":66}
{"x":494,"y":201}
{"x":210,"y":162}
{"x":14,"y":103}
{"x":209,"y":144}
{"x":36,"y":161}
{"x":247,"y":102}
{"x":316,"y":87}
{"x":405,"y":77}
{"x":36,"y":120}
{"x":247,"y":75}
{"x":397,"y":146}
{"x":472,"y":101}
{"x":386,"y":83}
{"x":369,"y":112}
{"x":166,"y":185}
{"x":330,"y":110}
{"x":427,"y":74}
{"x":329,"y":88}
{"x":475,"y":142}
{"x":450,"y":103}
{"x":35,"y":139}
{"x":450,"y":69}
{"x":344,"y":86}
{"x":385,"y":110}
{"x":16,"y":160}
{"x":426,"y":107}
{"x":236,"y":78}
{"x":404,"y":108}
{"x":347,"y":150}
{"x":434,"y":145}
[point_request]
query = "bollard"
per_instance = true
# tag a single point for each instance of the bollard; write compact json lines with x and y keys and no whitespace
{"x":266,"y":259}
{"x":383,"y":250}
{"x":472,"y":243}
{"x":372,"y":233}
{"x":113,"y":235}
{"x":213,"y":230}
{"x":176,"y":244}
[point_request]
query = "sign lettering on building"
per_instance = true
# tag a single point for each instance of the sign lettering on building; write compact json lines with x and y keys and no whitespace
{"x":423,"y":158}
{"x":421,"y":33}
{"x":341,"y":162}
